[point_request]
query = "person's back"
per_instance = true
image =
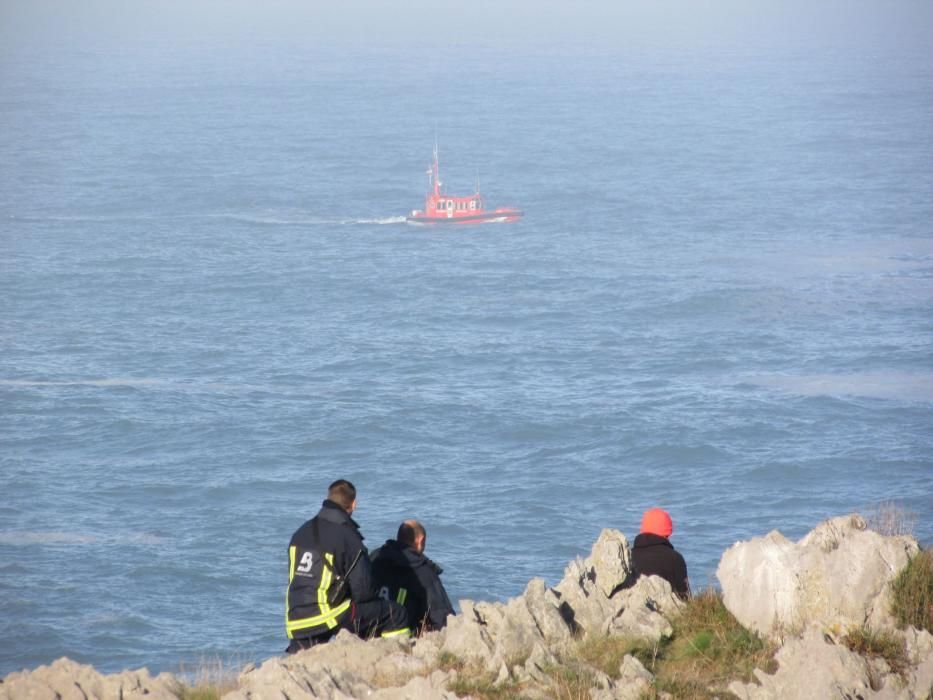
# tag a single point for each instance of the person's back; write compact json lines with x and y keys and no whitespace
{"x":654,"y":555}
{"x":330,"y":581}
{"x":407,"y":576}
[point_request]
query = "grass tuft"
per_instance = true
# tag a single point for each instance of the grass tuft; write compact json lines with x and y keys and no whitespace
{"x":912,"y":593}
{"x":448,"y":661}
{"x":606,"y":653}
{"x":481,"y":684}
{"x":879,"y":645}
{"x":211,"y":680}
{"x":707,"y":650}
{"x":199,"y":692}
{"x":889,"y":519}
{"x":571,"y":682}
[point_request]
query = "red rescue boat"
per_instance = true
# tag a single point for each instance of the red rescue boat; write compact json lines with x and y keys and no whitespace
{"x":446,"y":209}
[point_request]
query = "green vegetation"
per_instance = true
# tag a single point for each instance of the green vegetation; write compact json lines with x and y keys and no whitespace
{"x":481,"y":684}
{"x":707,"y":650}
{"x":199,"y":692}
{"x":883,"y":645}
{"x":210,"y":681}
{"x":912,"y":593}
{"x":888,"y":518}
{"x":571,"y":682}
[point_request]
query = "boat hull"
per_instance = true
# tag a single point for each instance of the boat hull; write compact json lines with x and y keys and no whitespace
{"x":501,"y":215}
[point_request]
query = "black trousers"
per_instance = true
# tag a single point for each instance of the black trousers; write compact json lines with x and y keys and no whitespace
{"x":373,"y":618}
{"x":379,"y":617}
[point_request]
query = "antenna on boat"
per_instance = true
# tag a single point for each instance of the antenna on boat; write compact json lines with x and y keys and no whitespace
{"x":435,"y":171}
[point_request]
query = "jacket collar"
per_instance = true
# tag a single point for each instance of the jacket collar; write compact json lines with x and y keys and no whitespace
{"x":334,"y":513}
{"x":403,"y":555}
{"x":649,"y":539}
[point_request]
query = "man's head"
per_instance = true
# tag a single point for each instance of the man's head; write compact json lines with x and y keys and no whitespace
{"x":657,"y":522}
{"x":411,"y":534}
{"x":343,"y":493}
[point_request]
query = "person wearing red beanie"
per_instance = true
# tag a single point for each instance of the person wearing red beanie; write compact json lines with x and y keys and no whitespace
{"x":654,"y":555}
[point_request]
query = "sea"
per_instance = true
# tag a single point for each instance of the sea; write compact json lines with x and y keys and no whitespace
{"x":719,"y":302}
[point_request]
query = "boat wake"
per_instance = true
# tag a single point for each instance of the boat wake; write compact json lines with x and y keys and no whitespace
{"x":382,"y":221}
{"x":306,"y":221}
{"x":239,"y":218}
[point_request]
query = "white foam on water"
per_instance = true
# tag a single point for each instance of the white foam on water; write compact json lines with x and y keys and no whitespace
{"x":272,"y":220}
{"x":304,"y":220}
{"x":169,"y":384}
{"x":50,"y":537}
{"x":80,"y":382}
{"x":43,"y":537}
{"x":880,"y":385}
{"x":383,"y":221}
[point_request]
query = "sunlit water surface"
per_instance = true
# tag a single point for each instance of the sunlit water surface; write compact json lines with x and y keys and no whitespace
{"x":719,"y":302}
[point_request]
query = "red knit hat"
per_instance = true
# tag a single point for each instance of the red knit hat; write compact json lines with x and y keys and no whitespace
{"x":657,"y":522}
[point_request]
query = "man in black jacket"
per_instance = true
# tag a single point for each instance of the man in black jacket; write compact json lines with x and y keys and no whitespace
{"x":654,"y":555}
{"x":330,"y":580}
{"x":408,"y":577}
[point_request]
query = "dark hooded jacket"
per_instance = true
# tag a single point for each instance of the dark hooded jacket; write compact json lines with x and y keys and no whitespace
{"x":328,"y":567}
{"x":653,"y":555}
{"x":410,"y":578}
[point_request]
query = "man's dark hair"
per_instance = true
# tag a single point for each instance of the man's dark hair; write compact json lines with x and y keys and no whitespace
{"x":409,"y":531}
{"x":342,"y":492}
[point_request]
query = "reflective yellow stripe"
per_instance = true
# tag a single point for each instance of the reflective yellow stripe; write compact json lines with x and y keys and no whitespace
{"x":402,"y":595}
{"x":291,"y":575}
{"x":397,"y":633}
{"x":330,"y":619}
{"x":325,"y":584}
{"x":328,"y":614}
{"x":326,"y":577}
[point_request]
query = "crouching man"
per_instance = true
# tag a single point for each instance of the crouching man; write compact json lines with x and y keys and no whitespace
{"x":654,"y":555}
{"x":408,"y":577}
{"x":330,"y":579}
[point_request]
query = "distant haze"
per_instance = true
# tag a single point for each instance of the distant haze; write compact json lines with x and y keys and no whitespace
{"x":869,"y":24}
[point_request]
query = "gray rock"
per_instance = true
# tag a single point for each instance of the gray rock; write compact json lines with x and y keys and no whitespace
{"x":586,"y":591}
{"x":611,"y":561}
{"x":839,"y":574}
{"x":428,"y":647}
{"x":543,"y":606}
{"x":920,"y":651}
{"x":648,"y":608}
{"x":536,"y":665}
{"x":811,"y":667}
{"x":466,"y":635}
{"x":582,"y":604}
{"x":503,"y":634}
{"x":65,"y":679}
{"x":347,"y":666}
{"x":296,"y":678}
{"x":633,"y":683}
{"x":431,"y":687}
{"x":528,"y":620}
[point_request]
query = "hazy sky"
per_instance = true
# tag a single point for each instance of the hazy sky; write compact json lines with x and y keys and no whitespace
{"x":872,"y":24}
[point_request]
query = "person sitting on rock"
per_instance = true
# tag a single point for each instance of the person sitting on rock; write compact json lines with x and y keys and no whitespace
{"x":410,"y":578}
{"x":330,"y":579}
{"x":654,"y":555}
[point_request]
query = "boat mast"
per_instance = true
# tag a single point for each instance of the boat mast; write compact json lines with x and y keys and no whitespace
{"x":435,"y":173}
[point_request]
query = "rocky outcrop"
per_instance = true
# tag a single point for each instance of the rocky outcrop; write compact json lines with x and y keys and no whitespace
{"x":817,"y":665}
{"x":600,"y":594}
{"x":516,"y":641}
{"x":68,"y":680}
{"x":839,"y":575}
{"x":835,"y":578}
{"x":346,"y":667}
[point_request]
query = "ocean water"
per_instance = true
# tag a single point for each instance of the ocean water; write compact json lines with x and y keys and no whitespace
{"x":719,"y":302}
